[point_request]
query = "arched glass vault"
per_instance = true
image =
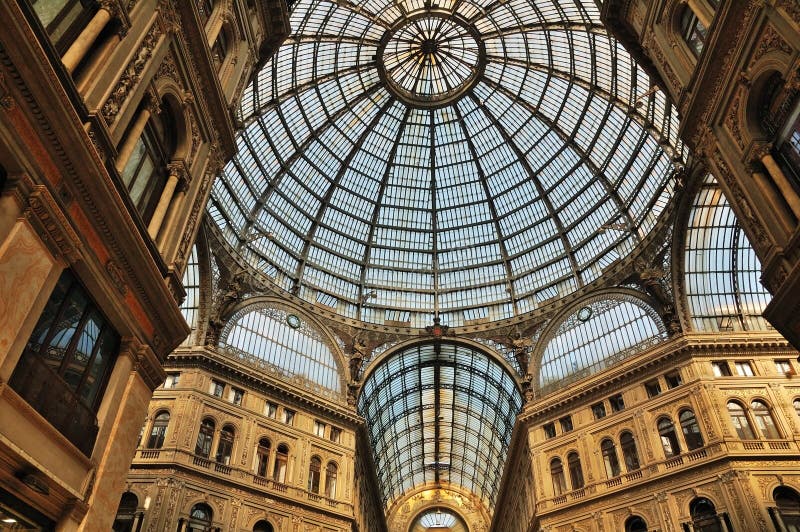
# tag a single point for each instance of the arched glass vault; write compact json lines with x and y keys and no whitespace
{"x":439,"y":414}
{"x":469,"y":158}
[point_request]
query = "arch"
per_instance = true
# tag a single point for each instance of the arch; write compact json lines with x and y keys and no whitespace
{"x":263,"y":450}
{"x":263,"y":526}
{"x":610,"y":460}
{"x":635,"y":523}
{"x":331,"y":477}
{"x":669,"y":438}
{"x":765,"y":423}
{"x":787,"y":503}
{"x":592,"y":334}
{"x":314,"y":473}
{"x":285,"y":342}
{"x":691,"y":429}
{"x":740,"y":421}
{"x":279,"y":469}
{"x":630,"y":455}
{"x":172,"y":103}
{"x":721,"y":276}
{"x":126,"y":512}
{"x":704,"y":515}
{"x":158,"y":430}
{"x":227,"y":437}
{"x":467,"y":402}
{"x":557,"y":475}
{"x":200,"y":518}
{"x":438,"y":518}
{"x":796,"y":404}
{"x":575,"y":470}
{"x":205,"y":436}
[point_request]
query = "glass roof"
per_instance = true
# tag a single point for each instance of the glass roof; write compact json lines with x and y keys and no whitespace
{"x":439,"y":414}
{"x":723,"y":274}
{"x":471,"y":158}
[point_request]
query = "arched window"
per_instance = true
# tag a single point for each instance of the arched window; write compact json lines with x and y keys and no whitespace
{"x":263,"y":526}
{"x":159,"y":431}
{"x":575,"y":470}
{"x":669,"y":439}
{"x":740,"y":421}
{"x":262,"y":457}
{"x":281,"y":460}
{"x":205,"y":8}
{"x":693,"y":31}
{"x":314,"y":470}
{"x":200,"y":518}
{"x":557,"y":472}
{"x":787,"y":502}
{"x":126,"y":512}
{"x":219,"y":51}
{"x":704,"y":516}
{"x":610,"y":458}
{"x":331,"y":472}
{"x":204,"y":438}
{"x":691,"y":430}
{"x":629,"y":453}
{"x":635,"y":524}
{"x":764,"y":421}
{"x":225,"y":445}
{"x":796,"y":404}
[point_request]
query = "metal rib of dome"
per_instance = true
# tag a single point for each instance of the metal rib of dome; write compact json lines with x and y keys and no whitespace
{"x":470,"y":158}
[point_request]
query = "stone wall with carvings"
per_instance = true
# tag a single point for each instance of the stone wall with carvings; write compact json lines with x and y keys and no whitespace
{"x":737,"y":475}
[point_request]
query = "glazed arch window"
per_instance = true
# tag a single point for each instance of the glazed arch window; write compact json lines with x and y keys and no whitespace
{"x":764,"y":421}
{"x":281,"y":463}
{"x":610,"y":458}
{"x":126,"y":513}
{"x":69,"y":356}
{"x":263,"y":526}
{"x":204,"y":438}
{"x":635,"y":524}
{"x":331,"y":474}
{"x":669,"y":438}
{"x":796,"y":404}
{"x":787,"y":502}
{"x":221,"y":46}
{"x":693,"y":31}
{"x":262,"y":457}
{"x":159,"y":431}
{"x":740,"y":421}
{"x":575,"y":470}
{"x":200,"y":518}
{"x":629,"y":453}
{"x":205,"y":8}
{"x":691,"y":430}
{"x":704,"y":516}
{"x":225,"y":445}
{"x":557,"y":474}
{"x":314,"y":471}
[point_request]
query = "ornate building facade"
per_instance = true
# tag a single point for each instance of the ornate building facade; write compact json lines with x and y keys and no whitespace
{"x":399,"y":266}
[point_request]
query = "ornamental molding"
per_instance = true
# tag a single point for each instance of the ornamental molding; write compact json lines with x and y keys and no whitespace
{"x":53,"y":227}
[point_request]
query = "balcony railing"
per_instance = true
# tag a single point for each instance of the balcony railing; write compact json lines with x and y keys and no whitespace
{"x":242,"y":476}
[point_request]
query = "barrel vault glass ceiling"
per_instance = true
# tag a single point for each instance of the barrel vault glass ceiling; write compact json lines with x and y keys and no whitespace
{"x":471,"y":158}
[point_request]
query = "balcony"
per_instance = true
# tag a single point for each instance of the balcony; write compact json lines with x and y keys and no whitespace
{"x":245,"y":478}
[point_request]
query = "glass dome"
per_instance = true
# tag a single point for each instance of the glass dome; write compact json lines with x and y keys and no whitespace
{"x":467,"y":158}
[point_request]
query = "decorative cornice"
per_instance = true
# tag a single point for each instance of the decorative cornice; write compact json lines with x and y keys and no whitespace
{"x":53,"y":227}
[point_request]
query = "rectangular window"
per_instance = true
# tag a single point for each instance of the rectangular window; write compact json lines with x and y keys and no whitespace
{"x":653,"y":388}
{"x":744,"y":369}
{"x":784,"y":367}
{"x":616,"y":402}
{"x":172,"y":380}
{"x":566,"y":423}
{"x":271,"y":410}
{"x":288,"y":416}
{"x":319,"y":428}
{"x":235,"y":396}
{"x":549,"y":430}
{"x":67,"y":362}
{"x":673,"y":379}
{"x":336,"y":434}
{"x":217,"y":388}
{"x":599,"y":410}
{"x":721,"y":368}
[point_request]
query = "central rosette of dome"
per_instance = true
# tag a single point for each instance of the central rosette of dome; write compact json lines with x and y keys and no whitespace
{"x":430,"y":59}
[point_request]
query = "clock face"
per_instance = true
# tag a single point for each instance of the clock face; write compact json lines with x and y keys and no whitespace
{"x":293,"y":321}
{"x":584,"y":314}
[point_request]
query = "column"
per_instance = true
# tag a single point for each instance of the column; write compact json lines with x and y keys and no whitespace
{"x":175,"y":208}
{"x":86,"y":39}
{"x":134,"y":134}
{"x":774,"y":199}
{"x":166,"y":198}
{"x":782,"y":182}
